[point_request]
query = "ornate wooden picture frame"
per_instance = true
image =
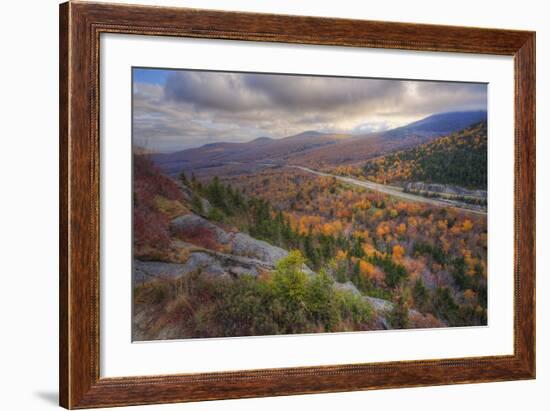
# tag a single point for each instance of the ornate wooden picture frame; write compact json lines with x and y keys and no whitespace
{"x":81,"y":25}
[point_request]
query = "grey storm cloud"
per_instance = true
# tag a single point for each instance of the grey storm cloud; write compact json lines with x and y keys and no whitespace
{"x":221,"y":91}
{"x":322,"y":93}
{"x":236,"y":92}
{"x":198,"y":107}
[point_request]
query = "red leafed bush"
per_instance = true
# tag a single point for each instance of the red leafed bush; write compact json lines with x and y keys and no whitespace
{"x":150,"y":181}
{"x":151,"y":227}
{"x":199,"y":236}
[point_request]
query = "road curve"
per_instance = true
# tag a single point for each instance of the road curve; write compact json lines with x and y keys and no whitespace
{"x":394,"y":191}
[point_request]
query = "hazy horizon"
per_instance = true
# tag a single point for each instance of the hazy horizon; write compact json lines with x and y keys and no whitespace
{"x":175,"y":110}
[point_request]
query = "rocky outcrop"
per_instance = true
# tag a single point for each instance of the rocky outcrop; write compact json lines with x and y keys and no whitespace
{"x":382,"y":308}
{"x":228,"y":252}
{"x":148,"y":270}
{"x":212,"y":250}
{"x":187,"y":227}
{"x":216,"y":264}
{"x":206,"y":262}
{"x":243,"y":245}
{"x":348,"y":286}
{"x":380,"y":305}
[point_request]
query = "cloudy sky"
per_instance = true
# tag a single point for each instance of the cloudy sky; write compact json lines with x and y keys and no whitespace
{"x":179,"y":109}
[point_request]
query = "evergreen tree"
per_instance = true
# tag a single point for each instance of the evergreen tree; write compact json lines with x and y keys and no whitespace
{"x":309,"y":249}
{"x":183,"y":179}
{"x":420,"y":294}
{"x":357,"y":249}
{"x":399,"y":316}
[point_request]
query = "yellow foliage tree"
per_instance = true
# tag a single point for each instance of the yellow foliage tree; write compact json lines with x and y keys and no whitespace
{"x":401,"y":228}
{"x":382,"y":229}
{"x":467,"y":225}
{"x":341,"y":255}
{"x":398,"y":252}
{"x":469,"y":295}
{"x":366,"y":269}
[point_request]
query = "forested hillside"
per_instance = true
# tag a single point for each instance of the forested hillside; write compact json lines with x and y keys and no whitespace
{"x":202,"y":269}
{"x":283,"y":251}
{"x":457,"y":159}
{"x":429,"y":259}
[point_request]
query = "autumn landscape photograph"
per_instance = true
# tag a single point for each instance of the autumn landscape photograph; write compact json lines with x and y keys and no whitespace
{"x":274,"y":204}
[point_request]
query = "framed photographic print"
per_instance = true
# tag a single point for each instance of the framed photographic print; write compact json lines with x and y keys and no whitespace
{"x":257,"y":205}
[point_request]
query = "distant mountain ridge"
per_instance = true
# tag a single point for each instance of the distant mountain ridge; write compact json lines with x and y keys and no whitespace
{"x":318,"y":149}
{"x":260,"y":149}
{"x":441,"y":123}
{"x":360,"y":148}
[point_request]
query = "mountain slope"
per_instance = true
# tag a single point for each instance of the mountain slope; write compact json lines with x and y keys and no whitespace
{"x":442,"y":123}
{"x":459,"y":159}
{"x":360,"y":148}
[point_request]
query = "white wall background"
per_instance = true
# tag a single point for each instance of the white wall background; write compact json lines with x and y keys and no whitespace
{"x":29,"y":190}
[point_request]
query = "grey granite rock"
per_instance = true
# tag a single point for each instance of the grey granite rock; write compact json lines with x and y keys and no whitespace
{"x":246,"y":246}
{"x":191,"y":222}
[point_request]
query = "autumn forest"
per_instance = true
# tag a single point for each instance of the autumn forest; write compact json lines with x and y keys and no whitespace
{"x":319,"y":231}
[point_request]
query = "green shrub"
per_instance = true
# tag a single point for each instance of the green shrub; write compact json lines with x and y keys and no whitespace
{"x":321,"y":301}
{"x":399,"y":315}
{"x":216,"y":214}
{"x":353,"y":307}
{"x":244,"y":307}
{"x":287,"y":302}
{"x":372,"y":290}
